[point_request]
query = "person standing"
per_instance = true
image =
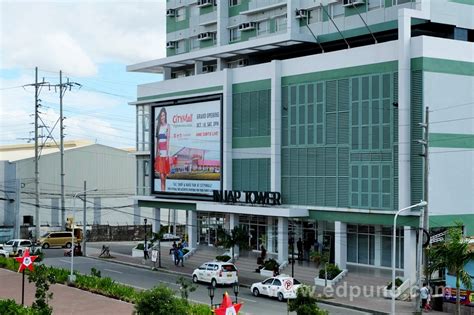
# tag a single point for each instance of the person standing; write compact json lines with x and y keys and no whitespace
{"x":162,"y":161}
{"x":299,"y":246}
{"x":424,"y":294}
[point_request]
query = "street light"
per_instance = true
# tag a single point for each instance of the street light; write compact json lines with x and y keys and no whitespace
{"x":71,"y":276}
{"x":211,"y":289}
{"x":292,"y":245}
{"x":394,"y":236}
{"x":236,"y":288}
{"x":145,"y":247}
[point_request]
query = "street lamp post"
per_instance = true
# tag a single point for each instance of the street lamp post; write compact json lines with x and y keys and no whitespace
{"x":145,"y":247}
{"x":292,"y":245}
{"x":211,"y":290}
{"x":236,"y":288}
{"x":71,"y":276}
{"x":394,"y":236}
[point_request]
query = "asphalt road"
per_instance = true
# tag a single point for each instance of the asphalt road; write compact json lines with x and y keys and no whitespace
{"x":146,"y":279}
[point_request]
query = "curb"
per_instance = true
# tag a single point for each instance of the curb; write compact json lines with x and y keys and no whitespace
{"x":352,"y":307}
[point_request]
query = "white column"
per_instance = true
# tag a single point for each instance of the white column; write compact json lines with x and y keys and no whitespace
{"x":270,"y":236}
{"x":174,"y":222}
{"x":166,"y":73}
{"x":233,"y":222}
{"x":340,"y":244}
{"x":275,"y":127}
{"x":197,"y":67}
{"x":222,"y":23}
{"x":227,"y":129}
{"x":156,"y":220}
{"x":409,"y":248}
{"x":137,"y":213}
{"x":192,"y":229}
{"x":282,"y":239}
{"x":404,"y":121}
{"x":378,"y":245}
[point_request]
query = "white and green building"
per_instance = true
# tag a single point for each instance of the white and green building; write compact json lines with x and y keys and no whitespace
{"x":322,"y":101}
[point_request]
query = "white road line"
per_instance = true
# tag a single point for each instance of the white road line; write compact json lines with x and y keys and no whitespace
{"x":245,"y":299}
{"x":113,"y":271}
{"x":65,"y":261}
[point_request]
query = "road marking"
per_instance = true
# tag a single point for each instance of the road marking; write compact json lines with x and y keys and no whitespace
{"x":113,"y":271}
{"x":245,"y":299}
{"x":65,"y":261}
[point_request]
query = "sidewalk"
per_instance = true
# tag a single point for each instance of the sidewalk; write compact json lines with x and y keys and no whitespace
{"x":374,"y":305}
{"x":66,"y":300}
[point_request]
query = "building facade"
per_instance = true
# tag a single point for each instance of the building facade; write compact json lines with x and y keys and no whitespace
{"x":322,"y":102}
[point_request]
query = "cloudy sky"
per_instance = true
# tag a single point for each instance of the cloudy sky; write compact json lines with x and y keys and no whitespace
{"x":91,"y":41}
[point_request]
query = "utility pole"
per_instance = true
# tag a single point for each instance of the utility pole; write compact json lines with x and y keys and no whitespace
{"x":84,"y":221}
{"x":61,"y":141}
{"x":426,"y":221}
{"x":17,"y":208}
{"x":37,"y":217}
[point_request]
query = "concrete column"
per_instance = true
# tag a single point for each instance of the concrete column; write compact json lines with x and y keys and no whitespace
{"x":227,"y":129}
{"x":157,"y":220}
{"x":404,"y":117}
{"x":282,"y":239}
{"x":409,"y":253}
{"x":222,"y":23}
{"x":270,"y":236}
{"x":378,"y":245}
{"x":197,"y":67}
{"x":166,"y":73}
{"x":137,"y":213}
{"x":192,"y":229}
{"x":233,"y":222}
{"x":340,"y":244}
{"x":275,"y":127}
{"x":174,"y":222}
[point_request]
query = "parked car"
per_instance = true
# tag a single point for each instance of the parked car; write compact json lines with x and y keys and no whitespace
{"x":16,"y":247}
{"x":62,"y":239}
{"x":282,"y":287}
{"x":215,"y":273}
{"x":4,"y":253}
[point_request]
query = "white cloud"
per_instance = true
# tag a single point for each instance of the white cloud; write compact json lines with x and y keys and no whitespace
{"x":76,"y":36}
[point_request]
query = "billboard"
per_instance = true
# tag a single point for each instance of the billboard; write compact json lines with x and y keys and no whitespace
{"x":187,"y":147}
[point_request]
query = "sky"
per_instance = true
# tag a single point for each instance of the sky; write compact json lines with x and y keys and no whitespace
{"x":92,"y":42}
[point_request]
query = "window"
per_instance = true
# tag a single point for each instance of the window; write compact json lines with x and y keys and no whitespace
{"x":277,"y":282}
{"x":336,"y":9}
{"x":203,"y":267}
{"x":268,"y":281}
{"x":233,"y":3}
{"x":375,"y":4}
{"x":180,"y":46}
{"x":280,"y":24}
{"x":262,"y":28}
{"x":229,"y":268}
{"x":210,"y":267}
{"x":397,"y":2}
{"x":180,"y":14}
{"x":234,"y":34}
{"x":143,"y":127}
{"x":315,"y":16}
{"x":194,"y":43}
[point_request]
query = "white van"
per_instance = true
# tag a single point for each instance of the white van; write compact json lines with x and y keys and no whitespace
{"x":215,"y":273}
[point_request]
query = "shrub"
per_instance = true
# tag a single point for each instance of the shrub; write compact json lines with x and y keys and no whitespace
{"x":398,"y":283}
{"x":95,"y":272}
{"x":224,"y":258}
{"x":9,"y":263}
{"x":332,"y":269}
{"x":305,"y":303}
{"x":9,"y":307}
{"x":160,"y":301}
{"x":199,"y":309}
{"x":271,"y":264}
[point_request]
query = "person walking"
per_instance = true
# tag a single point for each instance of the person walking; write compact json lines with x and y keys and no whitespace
{"x":180,"y":257}
{"x":424,"y":294}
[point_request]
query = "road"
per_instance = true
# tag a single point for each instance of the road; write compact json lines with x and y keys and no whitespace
{"x":146,"y":279}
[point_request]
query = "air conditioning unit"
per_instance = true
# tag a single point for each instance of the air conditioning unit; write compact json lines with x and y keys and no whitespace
{"x":206,"y":35}
{"x":204,"y":3}
{"x":170,"y":44}
{"x":171,"y":12}
{"x":349,"y":3}
{"x":247,"y":26}
{"x":207,"y":69}
{"x":243,"y":62}
{"x":301,"y":14}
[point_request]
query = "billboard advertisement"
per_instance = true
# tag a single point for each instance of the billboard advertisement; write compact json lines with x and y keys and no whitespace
{"x":187,"y":147}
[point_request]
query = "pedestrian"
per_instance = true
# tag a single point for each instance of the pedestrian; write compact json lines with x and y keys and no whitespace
{"x":307,"y":248}
{"x":173,"y":247}
{"x":145,"y":251}
{"x":424,"y":294}
{"x":263,"y":252}
{"x":180,"y":257}
{"x":299,"y":246}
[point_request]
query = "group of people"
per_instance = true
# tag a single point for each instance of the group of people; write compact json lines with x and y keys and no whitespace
{"x":177,"y":250}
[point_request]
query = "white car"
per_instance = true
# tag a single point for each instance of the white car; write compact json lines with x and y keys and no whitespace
{"x":215,"y":273}
{"x":4,"y":253}
{"x":16,"y":246}
{"x":282,"y":287}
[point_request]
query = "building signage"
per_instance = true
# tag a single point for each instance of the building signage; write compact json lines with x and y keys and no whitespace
{"x":248,"y":197}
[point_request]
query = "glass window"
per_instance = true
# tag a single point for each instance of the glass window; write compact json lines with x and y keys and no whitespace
{"x":194,"y":43}
{"x":180,"y":46}
{"x":336,"y":9}
{"x":315,"y":16}
{"x":203,"y":267}
{"x":229,"y":268}
{"x":280,"y":24}
{"x":375,"y":4}
{"x":210,"y":267}
{"x":233,"y":3}
{"x":180,"y":14}
{"x":277,"y":282}
{"x":268,"y":281}
{"x":234,"y":34}
{"x":262,"y":28}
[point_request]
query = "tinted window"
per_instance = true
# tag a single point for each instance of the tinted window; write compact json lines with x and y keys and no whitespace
{"x":268,"y":281}
{"x":210,"y":267}
{"x":203,"y":267}
{"x":9,"y":243}
{"x":25,"y":243}
{"x":229,"y":268}
{"x":277,"y":282}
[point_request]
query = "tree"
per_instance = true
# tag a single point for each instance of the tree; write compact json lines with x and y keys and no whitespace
{"x":238,"y":236}
{"x":185,"y":286}
{"x":42,"y":279}
{"x":157,"y":237}
{"x":453,"y":254}
{"x":305,"y":303}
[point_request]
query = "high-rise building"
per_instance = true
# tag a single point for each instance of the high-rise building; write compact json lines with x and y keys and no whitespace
{"x":319,"y":103}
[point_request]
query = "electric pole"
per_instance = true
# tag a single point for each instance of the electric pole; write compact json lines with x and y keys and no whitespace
{"x":426,"y":221}
{"x":84,"y":221}
{"x":61,"y":144}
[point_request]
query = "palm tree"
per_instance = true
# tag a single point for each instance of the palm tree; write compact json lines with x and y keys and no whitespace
{"x":453,"y":254}
{"x":238,"y":236}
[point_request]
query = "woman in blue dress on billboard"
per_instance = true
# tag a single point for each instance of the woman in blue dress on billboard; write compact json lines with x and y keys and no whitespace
{"x":162,"y":162}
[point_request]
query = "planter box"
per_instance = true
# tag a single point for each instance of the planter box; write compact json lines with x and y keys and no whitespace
{"x":266,"y":273}
{"x":387,"y":293}
{"x":333,"y":282}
